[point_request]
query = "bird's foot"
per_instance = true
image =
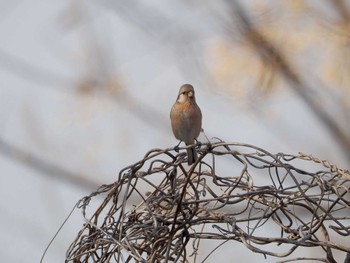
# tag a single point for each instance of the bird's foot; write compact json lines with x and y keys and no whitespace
{"x":198,"y":143}
{"x":176,"y":148}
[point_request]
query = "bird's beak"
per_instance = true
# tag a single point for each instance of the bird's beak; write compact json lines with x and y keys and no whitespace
{"x":191,"y":94}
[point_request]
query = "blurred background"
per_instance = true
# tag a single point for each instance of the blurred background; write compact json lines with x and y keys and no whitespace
{"x":87,"y":87}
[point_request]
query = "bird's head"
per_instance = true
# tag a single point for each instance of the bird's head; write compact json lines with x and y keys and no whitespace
{"x":186,"y":93}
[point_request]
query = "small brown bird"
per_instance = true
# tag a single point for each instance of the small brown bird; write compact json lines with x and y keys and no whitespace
{"x":186,"y":120}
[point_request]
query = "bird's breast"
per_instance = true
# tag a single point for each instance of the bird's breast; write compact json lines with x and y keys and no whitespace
{"x":186,"y":121}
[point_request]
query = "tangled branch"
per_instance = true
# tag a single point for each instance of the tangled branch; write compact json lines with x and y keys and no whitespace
{"x":161,"y":210}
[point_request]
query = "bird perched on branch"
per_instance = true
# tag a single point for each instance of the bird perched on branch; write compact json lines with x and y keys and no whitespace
{"x":186,"y":120}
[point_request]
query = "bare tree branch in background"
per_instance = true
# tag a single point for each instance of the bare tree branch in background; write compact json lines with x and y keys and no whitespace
{"x":273,"y":58}
{"x":102,"y":81}
{"x":31,"y":72}
{"x":100,"y":75}
{"x":342,"y":9}
{"x":45,"y":167}
{"x":176,"y":36}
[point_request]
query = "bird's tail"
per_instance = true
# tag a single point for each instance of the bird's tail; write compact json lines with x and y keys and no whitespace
{"x":191,"y":155}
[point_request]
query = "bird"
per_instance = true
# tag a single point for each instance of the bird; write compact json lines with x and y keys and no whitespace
{"x":186,"y":120}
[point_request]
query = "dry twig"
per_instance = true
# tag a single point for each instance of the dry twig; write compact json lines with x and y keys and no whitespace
{"x":263,"y":199}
